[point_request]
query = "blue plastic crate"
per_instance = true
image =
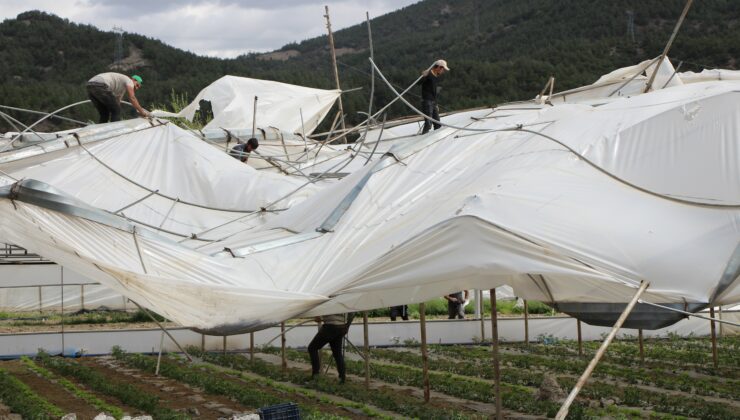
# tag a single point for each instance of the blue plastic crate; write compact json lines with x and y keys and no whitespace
{"x":285,"y":411}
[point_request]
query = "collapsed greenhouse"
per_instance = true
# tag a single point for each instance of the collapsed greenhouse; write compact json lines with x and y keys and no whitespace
{"x":589,"y":200}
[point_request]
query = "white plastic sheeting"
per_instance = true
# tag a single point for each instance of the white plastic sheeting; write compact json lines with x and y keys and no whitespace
{"x":565,"y":203}
{"x":279,"y":104}
{"x":164,"y":177}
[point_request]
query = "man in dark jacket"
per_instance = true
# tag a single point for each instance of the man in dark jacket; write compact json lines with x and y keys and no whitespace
{"x":429,"y":94}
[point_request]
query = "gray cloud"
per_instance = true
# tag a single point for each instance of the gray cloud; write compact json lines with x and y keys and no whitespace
{"x":222,"y":28}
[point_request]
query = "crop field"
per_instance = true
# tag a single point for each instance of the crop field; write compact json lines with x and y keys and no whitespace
{"x":674,"y":378}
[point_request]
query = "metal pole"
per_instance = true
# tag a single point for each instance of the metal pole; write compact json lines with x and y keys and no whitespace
{"x":712,"y":328}
{"x":642,"y":350}
{"x":526,"y":322}
{"x":668,"y":45}
{"x":563,"y":412}
{"x":496,"y":362}
{"x":334,"y":64}
{"x":284,"y":362}
{"x":424,"y":355}
{"x":159,"y":357}
{"x":190,"y":359}
{"x":580,"y":339}
{"x":251,"y":346}
{"x":367,"y":349}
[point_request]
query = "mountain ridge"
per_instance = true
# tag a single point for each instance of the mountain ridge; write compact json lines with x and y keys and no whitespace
{"x":498,"y":50}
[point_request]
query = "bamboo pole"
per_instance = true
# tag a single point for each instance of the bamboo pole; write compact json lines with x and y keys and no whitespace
{"x":496,"y":362}
{"x":424,"y":355}
{"x":668,"y":45}
{"x":526,"y":322}
{"x":642,"y":350}
{"x":251,"y":346}
{"x":334,"y":65}
{"x":712,"y":328}
{"x":580,"y":339}
{"x":563,"y":412}
{"x":367,"y":349}
{"x":372,"y":70}
{"x":284,"y":361}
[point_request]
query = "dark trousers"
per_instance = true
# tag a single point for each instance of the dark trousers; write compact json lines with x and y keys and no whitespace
{"x":455,"y":310}
{"x":402,"y":311}
{"x":429,"y":108}
{"x":333,"y":335}
{"x":107,"y":105}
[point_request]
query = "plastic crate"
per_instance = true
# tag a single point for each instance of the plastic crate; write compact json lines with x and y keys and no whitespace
{"x":285,"y":411}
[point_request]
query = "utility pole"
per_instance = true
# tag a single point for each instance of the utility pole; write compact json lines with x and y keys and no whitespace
{"x":631,"y":25}
{"x":118,"y":52}
{"x":336,"y":72}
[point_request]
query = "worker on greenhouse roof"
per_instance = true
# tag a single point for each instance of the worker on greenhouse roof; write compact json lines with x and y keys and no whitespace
{"x":106,"y":91}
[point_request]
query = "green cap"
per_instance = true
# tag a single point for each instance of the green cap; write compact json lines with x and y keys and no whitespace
{"x":138,"y":79}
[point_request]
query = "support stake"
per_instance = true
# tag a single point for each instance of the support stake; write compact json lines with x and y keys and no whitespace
{"x":251,"y":346}
{"x":367,"y":349}
{"x":482,"y":306}
{"x":580,"y":339}
{"x":712,"y":328}
{"x":494,"y":348}
{"x":424,"y":355}
{"x":334,"y":65}
{"x":563,"y":412}
{"x":284,"y":362}
{"x":526,"y":322}
{"x":224,"y":346}
{"x":159,"y":356}
{"x":642,"y":350}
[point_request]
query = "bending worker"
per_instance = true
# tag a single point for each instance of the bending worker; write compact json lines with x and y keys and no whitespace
{"x":429,"y":85}
{"x":332,"y":331}
{"x":106,"y":90}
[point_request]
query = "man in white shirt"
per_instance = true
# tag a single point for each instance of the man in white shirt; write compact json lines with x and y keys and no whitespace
{"x":106,"y":91}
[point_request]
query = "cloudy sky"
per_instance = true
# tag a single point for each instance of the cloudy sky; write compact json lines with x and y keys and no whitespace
{"x":220,"y":28}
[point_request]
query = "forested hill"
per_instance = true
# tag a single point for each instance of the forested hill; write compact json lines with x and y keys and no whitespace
{"x":498,"y":50}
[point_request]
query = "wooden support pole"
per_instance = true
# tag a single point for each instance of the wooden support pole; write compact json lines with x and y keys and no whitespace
{"x":668,"y":45}
{"x":580,"y":338}
{"x":366,"y":348}
{"x":563,"y":412}
{"x":526,"y":322}
{"x":715,"y":358}
{"x":203,"y":343}
{"x":224,"y":349}
{"x":642,"y":350}
{"x":424,"y":355}
{"x":334,"y":65}
{"x":479,"y":298}
{"x":251,"y":346}
{"x":496,"y":362}
{"x":159,"y":356}
{"x":282,"y":346}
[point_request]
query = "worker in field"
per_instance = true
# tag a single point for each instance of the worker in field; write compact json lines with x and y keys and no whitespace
{"x":332,"y":331}
{"x":241,"y":151}
{"x":429,"y":86}
{"x":456,"y":303}
{"x":106,"y":91}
